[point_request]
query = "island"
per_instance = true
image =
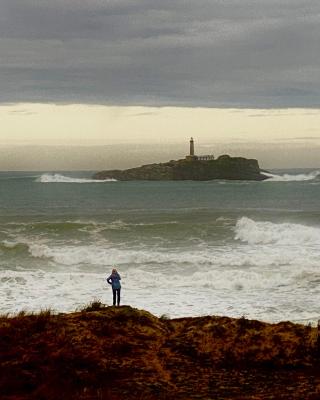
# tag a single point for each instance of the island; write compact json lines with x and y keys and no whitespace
{"x":192,"y":167}
{"x":122,"y":353}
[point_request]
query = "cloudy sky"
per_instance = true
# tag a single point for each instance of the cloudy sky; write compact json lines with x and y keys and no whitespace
{"x":111,"y":72}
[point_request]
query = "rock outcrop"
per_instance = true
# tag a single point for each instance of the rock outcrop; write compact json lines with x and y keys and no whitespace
{"x":224,"y":167}
{"x":124,"y":353}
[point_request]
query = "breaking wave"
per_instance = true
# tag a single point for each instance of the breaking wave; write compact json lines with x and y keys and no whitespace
{"x":253,"y":232}
{"x":58,"y":178}
{"x":250,"y":243}
{"x":12,"y":246}
{"x":291,"y":178}
{"x":263,"y":245}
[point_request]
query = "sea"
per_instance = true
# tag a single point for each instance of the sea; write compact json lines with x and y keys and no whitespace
{"x":233,"y":248}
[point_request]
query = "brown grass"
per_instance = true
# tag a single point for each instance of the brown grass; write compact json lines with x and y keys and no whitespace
{"x":123,"y":353}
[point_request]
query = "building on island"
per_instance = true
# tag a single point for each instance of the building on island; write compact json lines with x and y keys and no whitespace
{"x":193,"y":157}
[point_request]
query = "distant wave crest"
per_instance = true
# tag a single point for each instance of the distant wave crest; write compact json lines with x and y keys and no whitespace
{"x":58,"y":178}
{"x":291,"y":178}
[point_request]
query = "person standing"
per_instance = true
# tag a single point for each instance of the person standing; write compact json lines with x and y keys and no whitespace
{"x":114,"y":281}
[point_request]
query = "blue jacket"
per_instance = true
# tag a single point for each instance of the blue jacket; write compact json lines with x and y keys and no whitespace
{"x":114,"y":280}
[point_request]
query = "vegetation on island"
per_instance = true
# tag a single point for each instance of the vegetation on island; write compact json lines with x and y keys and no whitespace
{"x":123,"y":353}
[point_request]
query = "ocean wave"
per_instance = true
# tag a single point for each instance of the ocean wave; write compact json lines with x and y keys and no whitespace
{"x":13,"y":246}
{"x":102,"y":256}
{"x":58,"y":178}
{"x":252,"y":232}
{"x":88,"y":226}
{"x":183,"y":259}
{"x":249,"y":244}
{"x":292,"y":178}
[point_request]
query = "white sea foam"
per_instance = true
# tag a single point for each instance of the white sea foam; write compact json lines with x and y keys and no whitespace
{"x":58,"y":178}
{"x":267,"y":249}
{"x":291,"y":178}
{"x":101,"y":256}
{"x":9,"y":245}
{"x":219,"y":291}
{"x":14,"y":244}
{"x":287,"y":234}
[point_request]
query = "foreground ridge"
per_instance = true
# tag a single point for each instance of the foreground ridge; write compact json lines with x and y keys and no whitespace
{"x":126,"y":353}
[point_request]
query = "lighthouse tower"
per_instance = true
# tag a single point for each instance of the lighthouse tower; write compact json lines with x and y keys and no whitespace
{"x":191,"y":147}
{"x":191,"y":156}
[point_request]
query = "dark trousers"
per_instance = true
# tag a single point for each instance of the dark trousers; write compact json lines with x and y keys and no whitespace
{"x":116,"y":296}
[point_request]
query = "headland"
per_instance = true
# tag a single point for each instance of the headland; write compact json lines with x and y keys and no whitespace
{"x":118,"y":353}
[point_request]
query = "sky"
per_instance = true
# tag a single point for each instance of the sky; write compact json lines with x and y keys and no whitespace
{"x":123,"y":82}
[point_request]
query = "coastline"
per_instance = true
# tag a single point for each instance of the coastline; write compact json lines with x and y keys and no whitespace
{"x":125,"y":353}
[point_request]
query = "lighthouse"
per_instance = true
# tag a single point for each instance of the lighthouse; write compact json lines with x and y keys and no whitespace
{"x":191,"y":147}
{"x":192,"y":157}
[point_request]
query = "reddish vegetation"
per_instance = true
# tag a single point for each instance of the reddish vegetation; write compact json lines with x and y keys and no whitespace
{"x":124,"y":353}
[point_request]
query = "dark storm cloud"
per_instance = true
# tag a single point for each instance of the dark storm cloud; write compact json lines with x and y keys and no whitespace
{"x":236,"y":53}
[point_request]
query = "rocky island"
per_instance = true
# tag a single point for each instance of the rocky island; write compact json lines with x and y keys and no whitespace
{"x":122,"y":353}
{"x":196,"y":168}
{"x":192,"y":167}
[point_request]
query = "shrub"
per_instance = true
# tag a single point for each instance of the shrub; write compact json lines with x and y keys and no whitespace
{"x":95,"y":305}
{"x":164,"y":317}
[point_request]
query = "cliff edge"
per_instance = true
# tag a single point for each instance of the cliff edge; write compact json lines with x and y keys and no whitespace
{"x":224,"y":167}
{"x":124,"y":353}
